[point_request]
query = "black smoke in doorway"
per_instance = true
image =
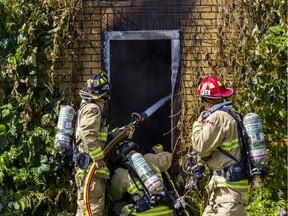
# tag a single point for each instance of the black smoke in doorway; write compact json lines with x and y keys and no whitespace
{"x":140,"y":75}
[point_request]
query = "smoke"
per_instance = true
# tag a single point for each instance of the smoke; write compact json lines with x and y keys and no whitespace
{"x":157,"y":105}
{"x":140,"y":77}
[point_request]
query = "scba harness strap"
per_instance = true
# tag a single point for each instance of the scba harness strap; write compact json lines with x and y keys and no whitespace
{"x":143,"y":203}
{"x":148,"y":200}
{"x":242,"y":169}
{"x":83,"y":159}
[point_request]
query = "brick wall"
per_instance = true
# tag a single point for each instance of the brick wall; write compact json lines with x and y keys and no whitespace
{"x":197,"y":20}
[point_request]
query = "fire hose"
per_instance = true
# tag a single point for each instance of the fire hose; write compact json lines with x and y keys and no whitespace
{"x":126,"y":131}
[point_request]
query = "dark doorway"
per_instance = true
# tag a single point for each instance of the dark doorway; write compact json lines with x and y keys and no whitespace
{"x":140,"y":74}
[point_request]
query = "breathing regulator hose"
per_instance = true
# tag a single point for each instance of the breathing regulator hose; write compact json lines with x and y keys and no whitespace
{"x":193,"y":168}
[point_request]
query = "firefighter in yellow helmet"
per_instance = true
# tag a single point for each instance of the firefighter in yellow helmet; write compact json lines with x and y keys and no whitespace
{"x":213,"y":134}
{"x":126,"y":181}
{"x":91,"y":135}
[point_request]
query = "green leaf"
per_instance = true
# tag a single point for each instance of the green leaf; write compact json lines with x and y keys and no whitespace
{"x":276,"y":29}
{"x":5,"y":112}
{"x":43,"y":159}
{"x":2,"y":129}
{"x":55,"y":30}
{"x":2,"y":176}
{"x":283,"y":114}
{"x":39,"y":170}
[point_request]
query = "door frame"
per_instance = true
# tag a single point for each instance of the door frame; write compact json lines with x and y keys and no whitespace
{"x":174,"y":36}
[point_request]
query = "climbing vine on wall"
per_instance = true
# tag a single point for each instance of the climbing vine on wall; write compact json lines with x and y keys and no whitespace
{"x":251,"y":56}
{"x":33,"y":36}
{"x":250,"y":49}
{"x":257,"y":58}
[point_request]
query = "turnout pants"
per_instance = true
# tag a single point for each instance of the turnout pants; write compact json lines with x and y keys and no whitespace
{"x":224,"y":202}
{"x":90,"y":195}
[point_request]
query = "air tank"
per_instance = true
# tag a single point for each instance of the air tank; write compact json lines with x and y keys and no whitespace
{"x":148,"y":177}
{"x":258,"y":151}
{"x":64,"y":130}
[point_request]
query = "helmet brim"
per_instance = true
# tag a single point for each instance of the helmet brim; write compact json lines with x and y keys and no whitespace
{"x":228,"y":92}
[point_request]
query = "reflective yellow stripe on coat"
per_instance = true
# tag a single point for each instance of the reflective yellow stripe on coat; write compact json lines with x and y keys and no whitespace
{"x":197,"y":126}
{"x":161,"y":179}
{"x":227,"y":146}
{"x":132,"y":189}
{"x":242,"y":186}
{"x":103,"y":170}
{"x":96,"y":154}
{"x":102,"y":136}
{"x":129,"y":208}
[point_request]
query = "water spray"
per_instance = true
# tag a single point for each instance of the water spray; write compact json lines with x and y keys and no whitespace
{"x":138,"y":118}
{"x":157,"y":105}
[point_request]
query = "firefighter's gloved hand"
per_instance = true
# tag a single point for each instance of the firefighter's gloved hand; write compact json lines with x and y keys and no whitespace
{"x":262,"y":172}
{"x":82,"y":160}
{"x":200,"y":118}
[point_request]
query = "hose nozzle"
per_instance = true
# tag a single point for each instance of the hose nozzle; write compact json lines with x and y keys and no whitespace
{"x":138,"y":118}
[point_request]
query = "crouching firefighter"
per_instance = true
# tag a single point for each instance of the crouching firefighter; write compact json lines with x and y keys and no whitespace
{"x":91,"y":135}
{"x":137,"y":184}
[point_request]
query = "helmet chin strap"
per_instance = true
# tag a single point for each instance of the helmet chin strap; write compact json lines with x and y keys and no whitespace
{"x":214,"y":101}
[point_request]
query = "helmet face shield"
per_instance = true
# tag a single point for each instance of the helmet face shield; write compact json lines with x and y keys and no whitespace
{"x":212,"y":88}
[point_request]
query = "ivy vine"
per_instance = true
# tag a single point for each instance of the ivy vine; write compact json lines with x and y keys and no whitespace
{"x":34,"y":35}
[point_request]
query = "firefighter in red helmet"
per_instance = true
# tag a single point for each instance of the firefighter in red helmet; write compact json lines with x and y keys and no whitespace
{"x":211,"y":88}
{"x":214,"y":133}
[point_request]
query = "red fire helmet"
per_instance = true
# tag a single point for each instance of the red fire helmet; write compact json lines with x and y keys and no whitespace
{"x":212,"y":88}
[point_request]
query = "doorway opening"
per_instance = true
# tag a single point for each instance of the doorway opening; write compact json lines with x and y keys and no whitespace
{"x":142,"y":69}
